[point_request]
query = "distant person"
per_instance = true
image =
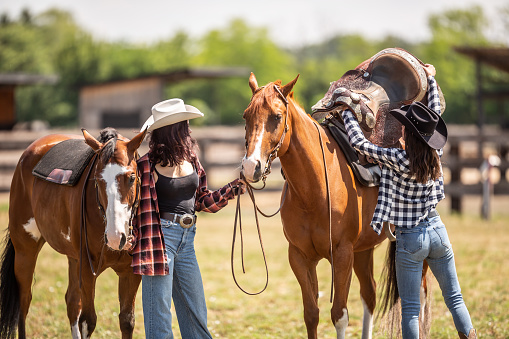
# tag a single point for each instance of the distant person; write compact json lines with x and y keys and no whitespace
{"x":173,"y":188}
{"x":410,"y":188}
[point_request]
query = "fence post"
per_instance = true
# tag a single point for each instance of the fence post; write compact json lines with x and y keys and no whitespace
{"x":455,"y":176}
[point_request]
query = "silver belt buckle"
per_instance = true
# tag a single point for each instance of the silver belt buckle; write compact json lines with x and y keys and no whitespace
{"x":186,"y":220}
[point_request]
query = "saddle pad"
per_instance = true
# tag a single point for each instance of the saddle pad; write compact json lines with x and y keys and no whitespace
{"x":64,"y":163}
{"x":369,"y":174}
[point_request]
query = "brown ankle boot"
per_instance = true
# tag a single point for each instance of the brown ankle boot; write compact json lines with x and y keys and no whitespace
{"x":471,"y":335}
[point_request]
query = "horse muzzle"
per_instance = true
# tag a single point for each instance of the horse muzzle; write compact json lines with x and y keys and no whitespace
{"x":118,"y":244}
{"x":252,"y":169}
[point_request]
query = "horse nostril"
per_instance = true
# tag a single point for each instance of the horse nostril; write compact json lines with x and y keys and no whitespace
{"x":258,"y":167}
{"x":105,"y":239}
{"x":122,"y":241}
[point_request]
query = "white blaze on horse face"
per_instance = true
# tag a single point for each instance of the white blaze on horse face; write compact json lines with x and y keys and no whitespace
{"x":32,"y":229}
{"x":117,"y":214}
{"x":249,"y":163}
{"x":341,"y":325}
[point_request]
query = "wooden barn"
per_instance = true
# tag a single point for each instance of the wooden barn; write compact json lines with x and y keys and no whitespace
{"x":126,"y":103}
{"x":8,"y":84}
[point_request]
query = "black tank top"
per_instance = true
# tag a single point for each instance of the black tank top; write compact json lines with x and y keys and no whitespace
{"x":176,"y":195}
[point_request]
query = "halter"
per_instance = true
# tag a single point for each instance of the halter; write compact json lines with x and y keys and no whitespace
{"x":273,"y":153}
{"x":134,"y":207}
{"x":83,"y":221}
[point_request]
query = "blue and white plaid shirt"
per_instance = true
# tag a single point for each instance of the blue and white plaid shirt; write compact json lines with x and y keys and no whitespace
{"x":402,"y":200}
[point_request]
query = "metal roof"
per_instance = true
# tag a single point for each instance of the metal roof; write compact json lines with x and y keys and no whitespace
{"x":497,"y":57}
{"x":184,"y":74}
{"x":18,"y":79}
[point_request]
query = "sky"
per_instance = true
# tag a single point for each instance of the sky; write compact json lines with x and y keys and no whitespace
{"x":291,"y":23}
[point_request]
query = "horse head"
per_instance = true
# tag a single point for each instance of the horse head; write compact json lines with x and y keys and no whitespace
{"x":117,"y":182}
{"x":266,"y":126}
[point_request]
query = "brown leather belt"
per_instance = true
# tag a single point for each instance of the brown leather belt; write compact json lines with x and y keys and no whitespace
{"x":185,"y":220}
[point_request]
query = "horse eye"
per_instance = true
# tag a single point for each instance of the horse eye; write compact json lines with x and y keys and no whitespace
{"x":132,"y":178}
{"x":278,"y":117}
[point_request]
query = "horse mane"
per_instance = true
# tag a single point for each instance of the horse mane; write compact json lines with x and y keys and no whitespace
{"x":105,"y":136}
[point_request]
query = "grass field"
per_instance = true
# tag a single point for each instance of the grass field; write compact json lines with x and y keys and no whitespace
{"x":482,"y":258}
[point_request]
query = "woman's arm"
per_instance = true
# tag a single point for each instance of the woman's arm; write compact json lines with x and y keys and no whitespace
{"x":213,"y":201}
{"x":391,"y":157}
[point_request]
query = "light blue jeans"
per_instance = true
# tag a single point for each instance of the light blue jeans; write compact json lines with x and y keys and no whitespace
{"x":428,"y":241}
{"x":184,"y":283}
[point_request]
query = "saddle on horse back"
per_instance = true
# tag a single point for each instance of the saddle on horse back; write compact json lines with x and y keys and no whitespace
{"x":390,"y":79}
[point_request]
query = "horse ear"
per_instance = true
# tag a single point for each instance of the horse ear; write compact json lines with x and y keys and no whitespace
{"x":252,"y":82}
{"x":286,"y":89}
{"x":91,"y":141}
{"x":135,"y":142}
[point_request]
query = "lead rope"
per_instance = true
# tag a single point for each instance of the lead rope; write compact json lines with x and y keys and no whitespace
{"x":238,"y":216}
{"x":330,"y":211}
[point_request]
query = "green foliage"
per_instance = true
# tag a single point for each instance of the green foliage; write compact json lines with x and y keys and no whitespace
{"x":52,"y":43}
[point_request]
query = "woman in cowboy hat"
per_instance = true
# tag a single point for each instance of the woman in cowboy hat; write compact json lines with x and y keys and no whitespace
{"x":173,"y":188}
{"x":411,"y":186}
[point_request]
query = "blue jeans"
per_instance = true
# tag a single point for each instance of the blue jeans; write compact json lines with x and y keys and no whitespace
{"x":184,"y":284}
{"x":428,"y":241}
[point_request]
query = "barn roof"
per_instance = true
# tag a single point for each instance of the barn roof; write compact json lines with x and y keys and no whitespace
{"x":17,"y":79}
{"x":497,"y":57}
{"x":185,"y":74}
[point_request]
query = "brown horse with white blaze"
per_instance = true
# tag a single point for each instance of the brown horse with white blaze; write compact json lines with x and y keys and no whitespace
{"x":326,"y":212}
{"x":43,"y":212}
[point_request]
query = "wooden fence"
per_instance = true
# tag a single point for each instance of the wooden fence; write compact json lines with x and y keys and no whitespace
{"x":222,"y":148}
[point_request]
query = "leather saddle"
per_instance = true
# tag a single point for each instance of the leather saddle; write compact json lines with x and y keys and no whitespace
{"x":390,"y":79}
{"x":368,"y":174}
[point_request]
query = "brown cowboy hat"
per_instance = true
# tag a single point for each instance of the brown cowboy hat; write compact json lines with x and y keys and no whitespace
{"x":423,"y":122}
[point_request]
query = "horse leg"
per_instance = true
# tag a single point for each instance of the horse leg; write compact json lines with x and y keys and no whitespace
{"x":88,"y":317}
{"x":128,"y":284}
{"x":27,"y":246}
{"x":425,"y":315}
{"x":343,"y":264}
{"x":363,"y":267}
{"x":305,"y":272}
{"x":73,"y":298}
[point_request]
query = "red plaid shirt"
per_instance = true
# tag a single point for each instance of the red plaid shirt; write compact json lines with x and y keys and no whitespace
{"x":148,"y":250}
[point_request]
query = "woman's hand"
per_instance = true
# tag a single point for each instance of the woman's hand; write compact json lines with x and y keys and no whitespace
{"x":430,"y":70}
{"x":239,"y":186}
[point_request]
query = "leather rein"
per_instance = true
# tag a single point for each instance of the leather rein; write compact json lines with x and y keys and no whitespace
{"x":83,"y":218}
{"x":250,"y":189}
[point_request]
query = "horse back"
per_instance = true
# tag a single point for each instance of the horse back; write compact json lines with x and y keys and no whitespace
{"x":43,"y":205}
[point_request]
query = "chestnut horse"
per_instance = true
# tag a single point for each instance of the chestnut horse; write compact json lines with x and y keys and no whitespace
{"x":41,"y":211}
{"x":326,"y":212}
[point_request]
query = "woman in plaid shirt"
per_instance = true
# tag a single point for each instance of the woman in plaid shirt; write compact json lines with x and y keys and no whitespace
{"x":411,"y":186}
{"x":173,"y":188}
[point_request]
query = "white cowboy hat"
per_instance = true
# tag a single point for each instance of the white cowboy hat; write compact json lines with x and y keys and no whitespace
{"x":170,"y":112}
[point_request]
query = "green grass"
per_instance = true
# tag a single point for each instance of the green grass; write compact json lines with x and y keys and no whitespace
{"x":481,"y":257}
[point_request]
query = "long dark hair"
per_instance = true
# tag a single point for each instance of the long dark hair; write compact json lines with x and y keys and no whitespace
{"x":424,"y":160}
{"x":171,"y":145}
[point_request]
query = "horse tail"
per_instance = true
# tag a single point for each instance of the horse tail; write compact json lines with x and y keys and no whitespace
{"x":9,"y":292}
{"x":390,"y":310}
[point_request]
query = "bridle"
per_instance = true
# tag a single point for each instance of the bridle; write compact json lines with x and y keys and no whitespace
{"x":249,"y":189}
{"x":134,"y":207}
{"x":273,"y":153}
{"x":266,"y":172}
{"x":102,"y":212}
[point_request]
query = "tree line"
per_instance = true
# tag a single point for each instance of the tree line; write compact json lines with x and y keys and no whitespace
{"x":52,"y":42}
